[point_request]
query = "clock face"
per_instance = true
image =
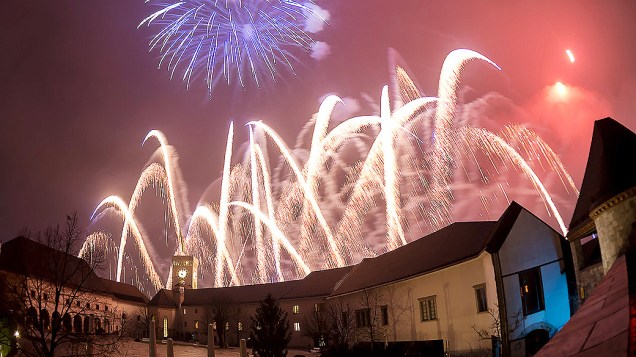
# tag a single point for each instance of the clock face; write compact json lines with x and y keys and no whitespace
{"x":182,"y":273}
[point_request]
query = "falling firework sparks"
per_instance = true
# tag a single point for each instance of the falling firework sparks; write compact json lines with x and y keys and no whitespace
{"x":310,"y":211}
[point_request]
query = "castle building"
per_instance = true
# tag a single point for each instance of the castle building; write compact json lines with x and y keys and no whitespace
{"x":445,"y":290}
{"x":603,"y":240}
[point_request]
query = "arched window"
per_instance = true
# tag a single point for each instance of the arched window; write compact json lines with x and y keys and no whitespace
{"x":77,"y":324}
{"x":165,"y":327}
{"x":57,"y":321}
{"x":67,"y":323}
{"x":87,"y":323}
{"x":107,"y":325}
{"x":44,"y":319}
{"x":32,"y":316}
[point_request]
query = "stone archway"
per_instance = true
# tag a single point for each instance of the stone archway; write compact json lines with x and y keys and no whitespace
{"x":77,"y":324}
{"x":535,"y":340}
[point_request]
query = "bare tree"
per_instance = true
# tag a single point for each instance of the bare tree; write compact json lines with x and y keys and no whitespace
{"x":316,"y":325}
{"x":370,"y":319}
{"x":221,"y":315}
{"x":495,"y":324}
{"x":341,"y":319}
{"x":50,"y":294}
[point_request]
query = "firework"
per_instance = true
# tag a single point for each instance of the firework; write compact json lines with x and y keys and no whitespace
{"x":318,"y":208}
{"x":230,"y":41}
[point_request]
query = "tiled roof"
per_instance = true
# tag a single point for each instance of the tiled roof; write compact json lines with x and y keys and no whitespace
{"x":453,"y":244}
{"x":163,"y":298}
{"x":600,"y":326}
{"x":27,"y":257}
{"x":609,"y":170}
{"x":317,"y":283}
{"x":237,"y":294}
{"x":124,"y":291}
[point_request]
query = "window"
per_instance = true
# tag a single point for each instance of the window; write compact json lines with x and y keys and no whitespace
{"x":363,"y":317}
{"x":480,"y":297}
{"x":77,"y":303}
{"x":384,"y":311}
{"x":33,"y":293}
{"x":240,"y":326}
{"x":296,"y":309}
{"x":296,"y":326}
{"x":428,"y":309}
{"x":97,"y":307}
{"x":195,"y":311}
{"x":196,"y":324}
{"x":46,"y":296}
{"x":531,"y":291}
{"x":165,"y":327}
{"x":319,"y":307}
{"x":184,"y":311}
{"x":88,"y":305}
{"x":138,"y":317}
{"x":106,"y":308}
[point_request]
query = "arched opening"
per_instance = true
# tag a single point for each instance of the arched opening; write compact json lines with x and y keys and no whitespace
{"x":67,"y":323}
{"x":165,"y":327}
{"x":45,"y":319}
{"x":535,"y":340}
{"x":77,"y":324}
{"x":32,"y":316}
{"x":87,"y":323}
{"x":106,"y":326}
{"x":98,"y":326}
{"x":57,"y":321}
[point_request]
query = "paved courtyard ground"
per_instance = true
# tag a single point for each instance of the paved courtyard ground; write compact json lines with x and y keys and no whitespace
{"x":135,"y":349}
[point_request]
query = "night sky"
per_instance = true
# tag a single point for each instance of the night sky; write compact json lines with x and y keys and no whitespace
{"x":80,"y":89}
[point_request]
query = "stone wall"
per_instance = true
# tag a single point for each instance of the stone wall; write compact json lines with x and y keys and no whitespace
{"x":613,"y":220}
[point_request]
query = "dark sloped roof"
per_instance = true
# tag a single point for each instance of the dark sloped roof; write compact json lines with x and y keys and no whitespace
{"x":163,"y":298}
{"x":237,"y":294}
{"x":27,"y":257}
{"x":450,"y":245}
{"x":124,"y":291}
{"x":609,"y":170}
{"x":317,"y":283}
{"x":503,"y":227}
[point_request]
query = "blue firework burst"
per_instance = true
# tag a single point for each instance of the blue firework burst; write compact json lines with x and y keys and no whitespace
{"x":230,"y":40}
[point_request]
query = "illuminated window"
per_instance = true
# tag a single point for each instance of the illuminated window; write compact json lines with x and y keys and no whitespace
{"x":196,"y":324}
{"x":165,"y":327}
{"x":531,"y":291}
{"x":363,"y":318}
{"x":319,"y":307}
{"x":428,"y":308}
{"x":384,"y":312}
{"x":227,"y":325}
{"x":296,"y":309}
{"x":184,"y":311}
{"x":480,"y":297}
{"x":296,"y":326}
{"x":240,"y":326}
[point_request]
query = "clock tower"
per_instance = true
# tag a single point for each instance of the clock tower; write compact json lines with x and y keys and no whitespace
{"x":184,"y":271}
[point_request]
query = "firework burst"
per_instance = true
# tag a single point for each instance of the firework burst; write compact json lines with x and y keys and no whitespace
{"x":232,"y":40}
